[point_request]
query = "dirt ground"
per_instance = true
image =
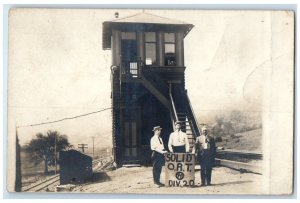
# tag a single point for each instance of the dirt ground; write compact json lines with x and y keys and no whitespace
{"x":138,"y":180}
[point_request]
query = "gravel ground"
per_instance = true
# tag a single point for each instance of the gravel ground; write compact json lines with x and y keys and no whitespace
{"x":138,"y":180}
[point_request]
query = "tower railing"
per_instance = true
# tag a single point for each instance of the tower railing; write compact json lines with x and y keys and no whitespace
{"x":173,"y":111}
{"x":192,"y":117}
{"x":130,"y":69}
{"x":138,"y":69}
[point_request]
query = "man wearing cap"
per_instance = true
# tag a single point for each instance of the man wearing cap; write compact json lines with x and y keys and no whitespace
{"x":158,"y":151}
{"x":204,"y":146}
{"x":178,"y":141}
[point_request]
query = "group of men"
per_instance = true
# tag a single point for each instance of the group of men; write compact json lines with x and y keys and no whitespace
{"x":179,"y":143}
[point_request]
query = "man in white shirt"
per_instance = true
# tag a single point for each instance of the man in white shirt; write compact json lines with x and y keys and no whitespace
{"x":178,"y":140}
{"x":158,"y":151}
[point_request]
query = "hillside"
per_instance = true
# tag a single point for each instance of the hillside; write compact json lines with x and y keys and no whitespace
{"x":246,"y":141}
{"x":236,"y":129}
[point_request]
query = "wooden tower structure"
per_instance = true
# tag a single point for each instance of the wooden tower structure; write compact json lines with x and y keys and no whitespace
{"x":147,"y":83}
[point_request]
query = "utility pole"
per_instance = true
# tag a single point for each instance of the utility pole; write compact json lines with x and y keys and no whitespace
{"x":82,"y":147}
{"x":93,"y":148}
{"x":55,"y":154}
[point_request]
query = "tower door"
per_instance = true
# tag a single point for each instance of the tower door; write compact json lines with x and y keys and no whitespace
{"x":129,"y":54}
{"x":131,"y":137}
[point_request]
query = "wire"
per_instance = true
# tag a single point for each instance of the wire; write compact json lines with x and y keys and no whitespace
{"x":63,"y":119}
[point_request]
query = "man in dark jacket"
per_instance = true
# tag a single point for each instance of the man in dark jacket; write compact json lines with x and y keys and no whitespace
{"x":205,"y":149}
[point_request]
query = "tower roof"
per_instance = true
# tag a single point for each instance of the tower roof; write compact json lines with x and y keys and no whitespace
{"x":145,"y":17}
{"x":143,"y":22}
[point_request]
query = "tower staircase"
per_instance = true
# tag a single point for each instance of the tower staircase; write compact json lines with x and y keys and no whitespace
{"x":179,"y":111}
{"x":186,"y":117}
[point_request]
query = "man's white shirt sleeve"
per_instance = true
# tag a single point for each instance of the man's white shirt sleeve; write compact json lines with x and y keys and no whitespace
{"x":156,"y":146}
{"x":170,"y":143}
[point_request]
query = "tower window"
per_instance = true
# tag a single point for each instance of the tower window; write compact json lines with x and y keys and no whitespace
{"x":129,"y":35}
{"x":150,"y":48}
{"x":170,"y":56}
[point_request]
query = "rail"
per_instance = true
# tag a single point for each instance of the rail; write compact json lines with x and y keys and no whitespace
{"x":174,"y":116}
{"x":192,"y":128}
{"x":129,"y":68}
{"x":192,"y":116}
{"x":227,"y":154}
{"x":240,"y":160}
{"x":54,"y":179}
{"x":136,"y":69}
{"x":41,"y":185}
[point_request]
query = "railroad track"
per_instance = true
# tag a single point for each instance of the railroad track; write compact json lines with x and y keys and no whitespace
{"x":240,"y":160}
{"x":243,"y":156}
{"x":39,"y":186}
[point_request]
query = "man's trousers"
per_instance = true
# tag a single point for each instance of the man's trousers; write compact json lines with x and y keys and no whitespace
{"x":158,"y":162}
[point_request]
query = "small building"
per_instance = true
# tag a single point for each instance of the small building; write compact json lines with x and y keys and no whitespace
{"x":147,"y":83}
{"x":75,"y":167}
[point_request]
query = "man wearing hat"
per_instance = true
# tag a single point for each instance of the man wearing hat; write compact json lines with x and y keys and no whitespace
{"x":178,"y":140}
{"x":158,"y":151}
{"x":205,"y":146}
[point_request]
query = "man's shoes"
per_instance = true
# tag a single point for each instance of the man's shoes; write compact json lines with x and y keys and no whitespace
{"x":161,"y":185}
{"x":202,"y":185}
{"x":156,"y":185}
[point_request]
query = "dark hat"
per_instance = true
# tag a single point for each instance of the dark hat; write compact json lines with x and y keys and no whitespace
{"x":156,"y":128}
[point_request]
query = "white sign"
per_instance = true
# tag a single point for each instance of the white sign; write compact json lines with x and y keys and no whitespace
{"x":180,"y":169}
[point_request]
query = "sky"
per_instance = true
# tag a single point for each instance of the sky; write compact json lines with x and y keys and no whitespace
{"x":57,"y":67}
